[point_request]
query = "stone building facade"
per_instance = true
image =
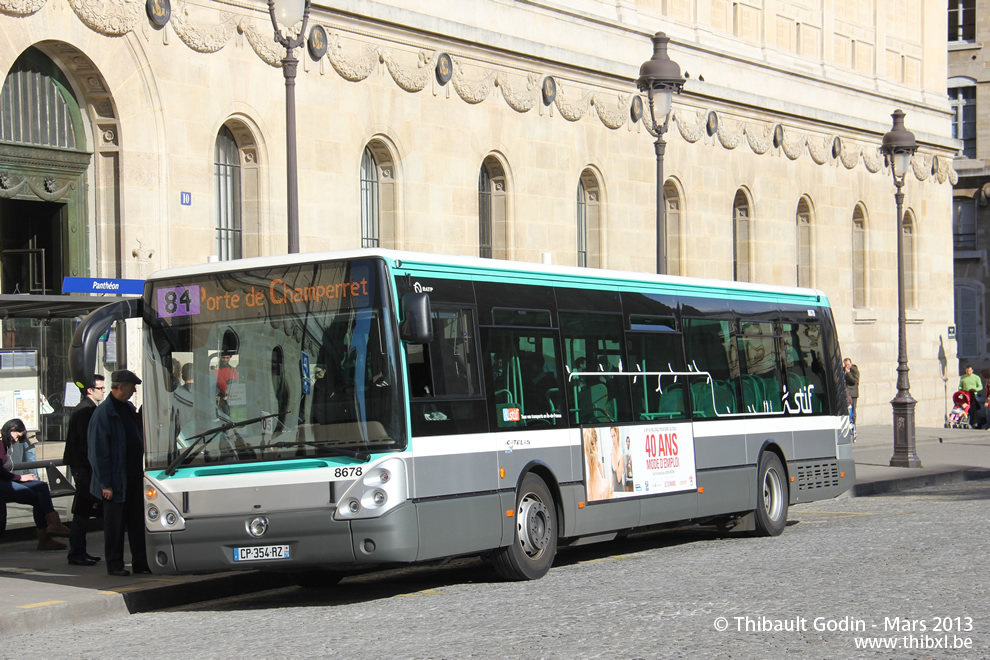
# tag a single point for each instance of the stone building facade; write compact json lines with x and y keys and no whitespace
{"x":969,"y":98}
{"x":172,"y":146}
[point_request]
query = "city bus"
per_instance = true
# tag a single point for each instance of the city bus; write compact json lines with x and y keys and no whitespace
{"x":324,"y":413}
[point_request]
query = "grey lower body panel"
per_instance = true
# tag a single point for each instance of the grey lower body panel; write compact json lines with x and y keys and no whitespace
{"x":313,"y":537}
{"x":820,"y":479}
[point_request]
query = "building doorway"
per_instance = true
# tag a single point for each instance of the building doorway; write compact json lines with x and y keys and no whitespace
{"x":32,"y":246}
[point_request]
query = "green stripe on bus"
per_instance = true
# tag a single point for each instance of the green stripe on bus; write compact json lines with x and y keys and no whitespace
{"x":473,"y":273}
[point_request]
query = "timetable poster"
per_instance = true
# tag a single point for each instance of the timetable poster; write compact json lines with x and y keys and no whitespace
{"x":26,"y":407}
{"x":628,"y":461}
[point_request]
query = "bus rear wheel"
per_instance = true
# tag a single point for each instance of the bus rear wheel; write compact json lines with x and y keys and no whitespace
{"x":531,"y":554}
{"x":771,"y":496}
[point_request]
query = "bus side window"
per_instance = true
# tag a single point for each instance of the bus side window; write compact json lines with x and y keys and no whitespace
{"x":658,"y":397}
{"x":804,"y":362}
{"x":524,"y":377}
{"x":711,"y":349}
{"x":447,"y":366}
{"x":593,"y":345}
{"x":762,"y":388}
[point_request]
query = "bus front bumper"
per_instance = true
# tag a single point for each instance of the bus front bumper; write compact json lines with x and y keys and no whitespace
{"x":294,"y":540}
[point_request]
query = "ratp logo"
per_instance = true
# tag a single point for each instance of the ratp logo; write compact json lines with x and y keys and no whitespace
{"x":419,"y":288}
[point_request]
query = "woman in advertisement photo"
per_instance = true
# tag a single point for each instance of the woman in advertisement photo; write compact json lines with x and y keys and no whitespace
{"x":599,"y":487}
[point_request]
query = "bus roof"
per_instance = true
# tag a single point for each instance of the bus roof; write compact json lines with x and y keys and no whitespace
{"x":477,"y":268}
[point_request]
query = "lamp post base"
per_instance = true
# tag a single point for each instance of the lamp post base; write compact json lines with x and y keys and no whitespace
{"x":905,"y":454}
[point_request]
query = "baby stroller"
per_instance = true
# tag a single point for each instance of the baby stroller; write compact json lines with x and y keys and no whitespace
{"x":961,"y":405}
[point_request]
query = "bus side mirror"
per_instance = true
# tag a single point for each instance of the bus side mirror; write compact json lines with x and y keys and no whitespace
{"x":85,"y":339}
{"x":417,"y":324}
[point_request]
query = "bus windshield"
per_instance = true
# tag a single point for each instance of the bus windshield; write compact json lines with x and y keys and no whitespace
{"x":271,"y":364}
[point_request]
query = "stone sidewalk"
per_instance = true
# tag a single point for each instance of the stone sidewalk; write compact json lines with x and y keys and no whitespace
{"x":40,"y":591}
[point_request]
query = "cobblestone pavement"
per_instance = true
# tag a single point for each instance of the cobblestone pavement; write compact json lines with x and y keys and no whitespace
{"x":910,"y":568}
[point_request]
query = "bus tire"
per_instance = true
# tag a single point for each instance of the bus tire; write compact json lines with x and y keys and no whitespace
{"x":771,"y":496}
{"x":534,"y":546}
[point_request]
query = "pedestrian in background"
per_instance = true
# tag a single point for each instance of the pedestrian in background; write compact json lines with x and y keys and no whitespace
{"x":852,"y":384}
{"x":28,"y":489}
{"x":973,"y":384}
{"x":116,"y":452}
{"x":76,"y":456}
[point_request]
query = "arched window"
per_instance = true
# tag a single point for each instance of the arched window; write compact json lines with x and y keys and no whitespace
{"x":968,"y":330}
{"x":673,"y":200}
{"x":804,"y":255}
{"x":964,"y":223}
{"x":740,"y":237}
{"x":44,"y":136}
{"x":582,"y":227}
{"x":492,"y":210}
{"x":589,"y":228}
{"x":909,"y":245}
{"x":485,"y":214}
{"x":859,"y":265}
{"x":379,"y":206}
{"x":227,"y":178}
{"x":37,"y":105}
{"x":369,"y":200}
{"x":962,"y":101}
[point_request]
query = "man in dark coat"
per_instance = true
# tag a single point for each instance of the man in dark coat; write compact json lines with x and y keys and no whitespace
{"x":76,"y":456}
{"x":851,"y":372}
{"x":116,"y":452}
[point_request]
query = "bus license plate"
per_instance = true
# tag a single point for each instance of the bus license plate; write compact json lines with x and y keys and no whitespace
{"x":261,"y":552}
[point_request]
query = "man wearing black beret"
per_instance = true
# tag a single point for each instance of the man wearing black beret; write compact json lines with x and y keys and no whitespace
{"x":116,"y":452}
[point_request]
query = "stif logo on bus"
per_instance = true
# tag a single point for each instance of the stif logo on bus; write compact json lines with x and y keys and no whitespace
{"x":511,"y":415}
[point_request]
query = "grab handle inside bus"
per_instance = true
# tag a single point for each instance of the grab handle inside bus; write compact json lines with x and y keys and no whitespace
{"x":86,"y":339}
{"x":417,"y":326}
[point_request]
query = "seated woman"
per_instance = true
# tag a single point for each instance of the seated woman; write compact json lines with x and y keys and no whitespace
{"x":26,"y":489}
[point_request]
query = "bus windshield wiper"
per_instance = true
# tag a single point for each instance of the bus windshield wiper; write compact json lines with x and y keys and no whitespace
{"x":212,"y":433}
{"x":362,"y":456}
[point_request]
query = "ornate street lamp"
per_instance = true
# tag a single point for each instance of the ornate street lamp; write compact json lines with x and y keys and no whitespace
{"x":660,"y":77}
{"x":288,"y":14}
{"x":898,"y":147}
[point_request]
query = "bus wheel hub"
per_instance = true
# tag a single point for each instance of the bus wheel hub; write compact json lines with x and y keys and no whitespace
{"x":533,"y":525}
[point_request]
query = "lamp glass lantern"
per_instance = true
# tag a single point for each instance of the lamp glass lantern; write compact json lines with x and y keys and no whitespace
{"x":660,"y":77}
{"x":898,"y":147}
{"x":289,"y":12}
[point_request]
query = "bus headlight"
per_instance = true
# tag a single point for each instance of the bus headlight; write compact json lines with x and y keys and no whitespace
{"x":380,"y":489}
{"x":160,"y":514}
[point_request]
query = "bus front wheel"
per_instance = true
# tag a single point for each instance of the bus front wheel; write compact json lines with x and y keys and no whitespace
{"x":534,"y":547}
{"x":771,"y":496}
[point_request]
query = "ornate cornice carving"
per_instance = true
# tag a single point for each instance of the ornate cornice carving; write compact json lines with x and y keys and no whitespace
{"x":471,"y":91}
{"x":690,"y":132}
{"x":759,"y":142}
{"x":517,"y":100}
{"x":818,"y":148}
{"x":730,"y":138}
{"x":20,"y":7}
{"x":574,"y":110}
{"x":113,"y":18}
{"x":611,"y":118}
{"x":849,"y":156}
{"x":262,"y":42}
{"x":872,"y":159}
{"x":793,"y":147}
{"x":208,"y":39}
{"x":411,"y":79}
{"x":48,"y":191}
{"x":354,"y":69}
